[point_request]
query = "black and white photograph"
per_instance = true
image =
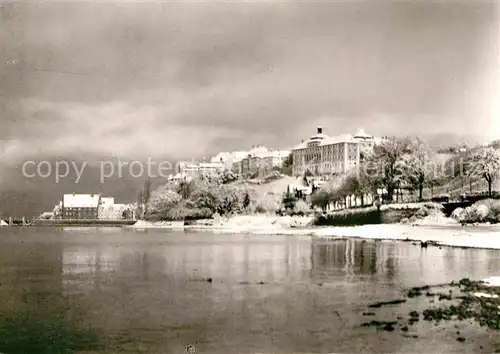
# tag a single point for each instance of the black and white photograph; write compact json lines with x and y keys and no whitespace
{"x":249,"y":176}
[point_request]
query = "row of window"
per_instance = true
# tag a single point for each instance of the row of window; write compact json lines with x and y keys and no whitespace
{"x":81,"y":209}
{"x":308,"y":159}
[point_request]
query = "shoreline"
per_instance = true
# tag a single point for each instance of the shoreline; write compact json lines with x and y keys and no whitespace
{"x":450,"y":235}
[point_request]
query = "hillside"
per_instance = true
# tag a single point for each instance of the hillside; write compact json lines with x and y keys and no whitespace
{"x":272,"y":189}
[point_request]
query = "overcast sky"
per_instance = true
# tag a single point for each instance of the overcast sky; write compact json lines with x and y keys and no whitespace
{"x":154,"y":79}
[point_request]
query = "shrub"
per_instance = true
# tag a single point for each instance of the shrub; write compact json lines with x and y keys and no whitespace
{"x":495,"y":211}
{"x":302,"y":207}
{"x":184,"y":212}
{"x":458,"y":214}
{"x":289,"y":199}
{"x":162,"y":200}
{"x":267,"y":205}
{"x":206,"y":194}
{"x":483,"y":211}
{"x":422,"y":212}
{"x":246,"y":201}
{"x":474,"y":214}
{"x":321,"y":198}
{"x":197,"y":214}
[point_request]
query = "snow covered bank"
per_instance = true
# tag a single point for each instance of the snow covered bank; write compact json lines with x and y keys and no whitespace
{"x":257,"y":224}
{"x":489,"y":296}
{"x":141,"y":224}
{"x":243,"y":223}
{"x":492,"y":281}
{"x":485,"y":236}
{"x":475,"y":237}
{"x":458,"y":236}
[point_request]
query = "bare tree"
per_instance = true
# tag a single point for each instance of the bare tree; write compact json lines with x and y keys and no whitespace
{"x":145,"y":196}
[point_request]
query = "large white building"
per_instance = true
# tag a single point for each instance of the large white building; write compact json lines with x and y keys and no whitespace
{"x":91,"y":206}
{"x":330,"y":155}
{"x":80,"y":206}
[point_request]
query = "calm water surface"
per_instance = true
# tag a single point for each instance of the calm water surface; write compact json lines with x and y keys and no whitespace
{"x":113,"y":290}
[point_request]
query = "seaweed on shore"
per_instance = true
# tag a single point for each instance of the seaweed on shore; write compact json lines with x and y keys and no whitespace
{"x":383,"y":303}
{"x":381,"y":325}
{"x":484,"y":310}
{"x":417,"y":291}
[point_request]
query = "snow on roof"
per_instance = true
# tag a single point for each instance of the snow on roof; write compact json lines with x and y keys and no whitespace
{"x":81,"y":200}
{"x":107,"y":200}
{"x":362,"y":134}
{"x":3,"y":223}
{"x":239,"y":155}
{"x":344,"y":138}
{"x":302,"y":145}
{"x":221,"y":156}
{"x":257,"y":150}
{"x":319,"y":136}
{"x":277,"y":153}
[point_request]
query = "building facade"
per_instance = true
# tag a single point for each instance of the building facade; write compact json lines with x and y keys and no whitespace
{"x":109,"y":210}
{"x":80,"y":206}
{"x":207,"y":168}
{"x":261,"y":161}
{"x":325,"y":155}
{"x":229,"y":158}
{"x":187,"y":170}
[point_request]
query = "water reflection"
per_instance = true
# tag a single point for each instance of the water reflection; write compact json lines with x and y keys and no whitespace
{"x":150,"y":292}
{"x":35,"y":314}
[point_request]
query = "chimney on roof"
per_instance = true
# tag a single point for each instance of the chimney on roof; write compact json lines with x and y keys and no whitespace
{"x":320,"y":130}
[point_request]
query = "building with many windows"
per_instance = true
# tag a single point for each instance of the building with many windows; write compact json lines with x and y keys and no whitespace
{"x":325,"y":155}
{"x":261,"y":161}
{"x":229,"y":158}
{"x":80,"y":206}
{"x":186,"y":171}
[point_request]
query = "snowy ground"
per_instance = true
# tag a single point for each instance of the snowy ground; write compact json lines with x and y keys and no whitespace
{"x":482,"y":236}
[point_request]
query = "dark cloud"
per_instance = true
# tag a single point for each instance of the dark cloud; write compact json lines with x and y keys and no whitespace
{"x":188,"y":78}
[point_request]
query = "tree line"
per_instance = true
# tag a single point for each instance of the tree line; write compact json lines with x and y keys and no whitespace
{"x":411,"y":165}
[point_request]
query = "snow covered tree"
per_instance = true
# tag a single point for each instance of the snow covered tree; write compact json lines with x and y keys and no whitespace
{"x":485,"y":163}
{"x":162,"y":200}
{"x":387,"y":160}
{"x":417,"y":167}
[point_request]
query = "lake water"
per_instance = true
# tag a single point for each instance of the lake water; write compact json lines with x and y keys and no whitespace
{"x":112,"y":290}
